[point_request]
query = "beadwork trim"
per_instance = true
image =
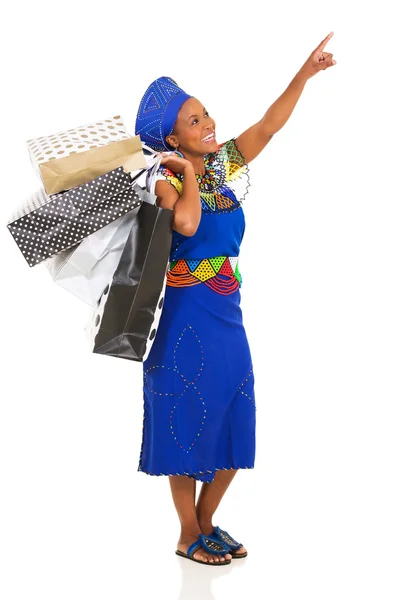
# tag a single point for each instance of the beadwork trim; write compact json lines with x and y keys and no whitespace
{"x":226,"y":181}
{"x":192,"y":475}
{"x":187,"y":385}
{"x":244,"y":383}
{"x":189,"y":272}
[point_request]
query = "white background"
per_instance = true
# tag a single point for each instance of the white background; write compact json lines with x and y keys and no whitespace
{"x":319,"y":514}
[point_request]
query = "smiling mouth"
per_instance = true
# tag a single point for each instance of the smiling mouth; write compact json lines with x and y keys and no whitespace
{"x":209,"y":138}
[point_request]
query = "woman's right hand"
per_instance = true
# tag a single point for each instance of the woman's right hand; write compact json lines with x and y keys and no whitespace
{"x":175,"y":163}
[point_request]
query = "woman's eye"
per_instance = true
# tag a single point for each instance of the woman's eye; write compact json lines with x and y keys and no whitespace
{"x":206,"y":114}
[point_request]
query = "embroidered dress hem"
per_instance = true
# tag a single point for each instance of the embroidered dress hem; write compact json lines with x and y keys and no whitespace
{"x":203,"y":476}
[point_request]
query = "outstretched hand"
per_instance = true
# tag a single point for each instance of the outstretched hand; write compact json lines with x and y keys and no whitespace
{"x":318,"y":60}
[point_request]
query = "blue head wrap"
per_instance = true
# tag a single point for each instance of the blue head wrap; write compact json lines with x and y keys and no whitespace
{"x":158,"y":111}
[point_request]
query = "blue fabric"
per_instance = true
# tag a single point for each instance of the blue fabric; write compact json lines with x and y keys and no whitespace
{"x":198,"y":381}
{"x":201,"y":543}
{"x":227,"y":234}
{"x":216,"y":534}
{"x":221,"y":230}
{"x":158,"y":111}
{"x":199,"y":408}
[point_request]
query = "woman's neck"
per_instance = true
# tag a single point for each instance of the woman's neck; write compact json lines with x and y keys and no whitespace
{"x":197,"y":162}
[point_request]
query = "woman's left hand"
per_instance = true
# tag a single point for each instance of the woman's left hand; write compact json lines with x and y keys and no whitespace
{"x":318,"y":60}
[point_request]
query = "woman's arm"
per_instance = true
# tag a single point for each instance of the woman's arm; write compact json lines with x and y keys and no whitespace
{"x":187,"y":206}
{"x":252,"y":141}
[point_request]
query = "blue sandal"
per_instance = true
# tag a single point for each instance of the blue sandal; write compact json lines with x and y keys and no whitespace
{"x":223,"y":537}
{"x":208,"y":544}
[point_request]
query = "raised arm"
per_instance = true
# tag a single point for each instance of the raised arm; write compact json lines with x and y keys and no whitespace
{"x":252,"y":141}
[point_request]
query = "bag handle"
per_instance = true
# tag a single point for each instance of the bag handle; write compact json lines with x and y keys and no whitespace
{"x":154,"y":158}
{"x":151,"y":175}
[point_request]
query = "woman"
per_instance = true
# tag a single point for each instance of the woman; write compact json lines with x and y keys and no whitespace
{"x":199,"y":405}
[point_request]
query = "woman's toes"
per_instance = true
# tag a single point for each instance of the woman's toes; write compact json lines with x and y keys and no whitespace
{"x":210,"y":558}
{"x":206,"y":557}
{"x":223,"y":558}
{"x":216,"y":558}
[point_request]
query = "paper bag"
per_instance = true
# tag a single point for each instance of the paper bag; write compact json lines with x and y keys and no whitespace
{"x":86,"y":269}
{"x":68,"y":159}
{"x":124,"y":322}
{"x":46,"y":225}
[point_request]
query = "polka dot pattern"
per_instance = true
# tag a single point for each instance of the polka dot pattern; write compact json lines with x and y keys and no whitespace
{"x":156,"y":321}
{"x":83,"y":138}
{"x":65,"y":219}
{"x":188,"y":272}
{"x":204,"y":271}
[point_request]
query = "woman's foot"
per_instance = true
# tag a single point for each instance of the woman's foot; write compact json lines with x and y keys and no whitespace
{"x":238,"y":552}
{"x":207,"y":528}
{"x":185,"y":542}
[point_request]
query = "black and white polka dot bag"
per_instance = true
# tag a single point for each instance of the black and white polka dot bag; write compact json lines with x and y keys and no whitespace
{"x":46,"y":225}
{"x":124,"y":322}
{"x":85,"y":269}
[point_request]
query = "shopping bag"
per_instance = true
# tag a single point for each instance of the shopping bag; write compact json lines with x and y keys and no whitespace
{"x":77,"y":169}
{"x":79,"y":139}
{"x":124,"y":322}
{"x":68,"y":159}
{"x":46,"y":225}
{"x":85,"y":269}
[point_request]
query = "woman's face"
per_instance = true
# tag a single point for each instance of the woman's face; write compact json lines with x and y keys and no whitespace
{"x":194,"y":129}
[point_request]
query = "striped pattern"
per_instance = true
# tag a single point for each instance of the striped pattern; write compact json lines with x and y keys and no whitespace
{"x":35,"y":201}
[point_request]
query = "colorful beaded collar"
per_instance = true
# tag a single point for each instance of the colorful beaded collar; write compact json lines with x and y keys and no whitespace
{"x":225,"y":183}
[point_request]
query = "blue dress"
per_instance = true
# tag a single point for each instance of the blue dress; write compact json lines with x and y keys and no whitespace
{"x":198,"y":380}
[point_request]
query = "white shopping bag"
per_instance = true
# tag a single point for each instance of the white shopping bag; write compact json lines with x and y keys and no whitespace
{"x":85,"y":269}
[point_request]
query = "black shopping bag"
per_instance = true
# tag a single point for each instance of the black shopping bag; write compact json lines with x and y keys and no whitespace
{"x":124,"y":322}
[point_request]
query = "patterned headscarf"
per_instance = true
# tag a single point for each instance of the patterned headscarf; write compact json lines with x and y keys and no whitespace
{"x":158,"y":111}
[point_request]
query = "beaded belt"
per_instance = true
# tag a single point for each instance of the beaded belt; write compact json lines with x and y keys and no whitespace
{"x":220,"y":273}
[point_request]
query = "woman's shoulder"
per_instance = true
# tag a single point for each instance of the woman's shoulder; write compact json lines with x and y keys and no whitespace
{"x":165,"y":174}
{"x":228,"y":163}
{"x":229,"y":152}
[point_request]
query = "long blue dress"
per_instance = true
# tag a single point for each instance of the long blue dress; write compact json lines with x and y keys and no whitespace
{"x":198,"y":381}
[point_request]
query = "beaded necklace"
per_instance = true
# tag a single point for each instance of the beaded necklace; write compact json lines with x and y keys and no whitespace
{"x":225,"y":183}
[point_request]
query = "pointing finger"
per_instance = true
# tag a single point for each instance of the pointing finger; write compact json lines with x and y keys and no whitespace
{"x":324,"y":42}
